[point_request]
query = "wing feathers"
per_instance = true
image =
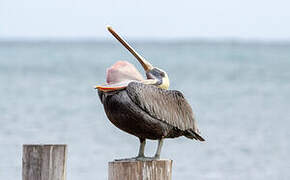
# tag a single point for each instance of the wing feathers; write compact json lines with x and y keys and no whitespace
{"x":166,"y":105}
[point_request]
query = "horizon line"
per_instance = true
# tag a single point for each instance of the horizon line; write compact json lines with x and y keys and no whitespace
{"x":149,"y":40}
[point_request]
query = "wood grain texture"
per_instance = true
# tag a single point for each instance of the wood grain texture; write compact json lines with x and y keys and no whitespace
{"x":140,"y":170}
{"x":44,"y":162}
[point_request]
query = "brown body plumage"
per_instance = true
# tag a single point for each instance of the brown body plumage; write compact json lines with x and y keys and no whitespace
{"x":149,"y":112}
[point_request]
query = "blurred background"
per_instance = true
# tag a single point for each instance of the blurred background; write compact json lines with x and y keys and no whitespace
{"x":231,"y":59}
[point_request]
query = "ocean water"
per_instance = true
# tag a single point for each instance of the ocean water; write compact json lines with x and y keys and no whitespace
{"x":240,"y":93}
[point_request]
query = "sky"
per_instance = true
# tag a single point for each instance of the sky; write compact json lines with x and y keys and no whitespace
{"x":150,"y":19}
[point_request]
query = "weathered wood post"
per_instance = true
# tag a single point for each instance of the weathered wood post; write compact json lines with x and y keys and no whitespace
{"x":140,"y":170}
{"x":44,"y":162}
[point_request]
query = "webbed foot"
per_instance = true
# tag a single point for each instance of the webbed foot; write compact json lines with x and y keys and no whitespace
{"x":138,"y":158}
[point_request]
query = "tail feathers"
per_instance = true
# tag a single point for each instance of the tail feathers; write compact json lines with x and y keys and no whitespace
{"x":193,"y":135}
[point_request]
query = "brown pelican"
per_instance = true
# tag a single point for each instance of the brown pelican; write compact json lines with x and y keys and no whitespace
{"x":145,"y":107}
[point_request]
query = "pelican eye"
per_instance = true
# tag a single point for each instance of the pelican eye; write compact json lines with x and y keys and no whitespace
{"x":158,"y":73}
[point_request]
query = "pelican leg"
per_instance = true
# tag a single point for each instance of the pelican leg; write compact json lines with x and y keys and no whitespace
{"x":141,"y":148}
{"x":140,"y":156}
{"x":157,"y":154}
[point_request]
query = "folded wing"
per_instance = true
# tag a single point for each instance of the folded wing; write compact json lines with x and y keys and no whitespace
{"x":169,"y":106}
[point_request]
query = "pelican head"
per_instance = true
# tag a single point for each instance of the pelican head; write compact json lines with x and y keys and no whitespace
{"x":122,"y":72}
{"x":155,"y":76}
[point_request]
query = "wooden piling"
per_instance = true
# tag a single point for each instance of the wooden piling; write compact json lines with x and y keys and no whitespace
{"x":44,"y":162}
{"x":140,"y":170}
